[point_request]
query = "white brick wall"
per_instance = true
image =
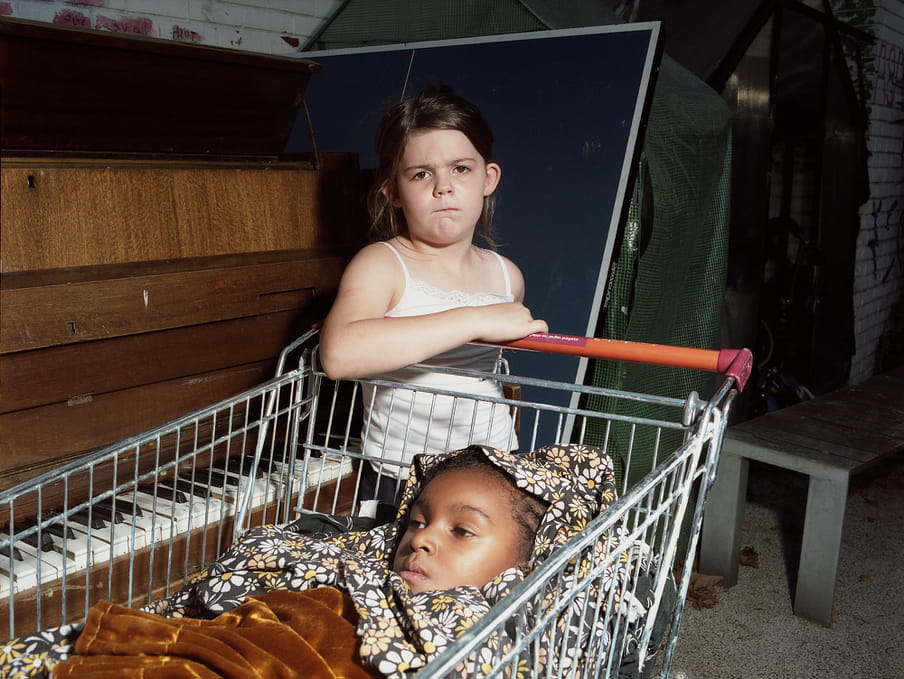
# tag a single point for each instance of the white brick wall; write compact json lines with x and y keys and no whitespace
{"x":879,"y":272}
{"x":268,"y":26}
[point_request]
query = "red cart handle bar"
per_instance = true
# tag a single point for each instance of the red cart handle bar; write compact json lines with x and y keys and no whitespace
{"x":735,"y":363}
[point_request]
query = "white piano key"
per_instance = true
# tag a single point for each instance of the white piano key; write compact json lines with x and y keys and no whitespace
{"x":47,"y":566}
{"x":73,"y":547}
{"x":160,"y":521}
{"x":172,"y":518}
{"x":147,"y":521}
{"x":91,"y":550}
{"x":111,"y":541}
{"x":7,"y":583}
{"x":263,"y":489}
{"x":144,"y":522}
{"x":319,"y":470}
{"x":21,"y":572}
{"x":327,"y":468}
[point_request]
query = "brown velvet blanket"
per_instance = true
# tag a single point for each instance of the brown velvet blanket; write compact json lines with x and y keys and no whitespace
{"x":279,"y":635}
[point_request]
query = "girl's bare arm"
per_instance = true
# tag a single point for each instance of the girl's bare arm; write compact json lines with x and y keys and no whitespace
{"x":357,"y":339}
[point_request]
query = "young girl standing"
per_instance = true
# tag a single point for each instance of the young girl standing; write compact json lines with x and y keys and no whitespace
{"x":424,"y":290}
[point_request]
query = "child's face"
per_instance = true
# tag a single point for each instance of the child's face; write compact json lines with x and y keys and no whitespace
{"x":460,"y":532}
{"x":440,"y":186}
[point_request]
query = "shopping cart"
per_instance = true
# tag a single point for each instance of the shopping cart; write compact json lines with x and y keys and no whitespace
{"x":133,"y":522}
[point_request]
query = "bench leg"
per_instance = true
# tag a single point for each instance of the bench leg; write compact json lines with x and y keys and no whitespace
{"x":826,"y":500}
{"x":720,"y":537}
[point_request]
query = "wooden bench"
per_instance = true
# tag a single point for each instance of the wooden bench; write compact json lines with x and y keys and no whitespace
{"x":829,"y":438}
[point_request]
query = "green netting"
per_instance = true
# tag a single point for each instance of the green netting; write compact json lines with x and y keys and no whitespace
{"x":669,"y":278}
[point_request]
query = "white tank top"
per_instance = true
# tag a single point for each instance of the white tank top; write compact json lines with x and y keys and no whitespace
{"x":400,"y":423}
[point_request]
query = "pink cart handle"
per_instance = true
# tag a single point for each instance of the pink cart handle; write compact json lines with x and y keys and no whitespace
{"x":735,"y":363}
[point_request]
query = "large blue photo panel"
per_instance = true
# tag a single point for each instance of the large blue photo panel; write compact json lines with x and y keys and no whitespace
{"x":567,"y":109}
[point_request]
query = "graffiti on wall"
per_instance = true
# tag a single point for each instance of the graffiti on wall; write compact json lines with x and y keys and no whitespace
{"x":887,"y":218}
{"x":888,"y":213}
{"x":71,"y":17}
{"x":185,"y":35}
{"x":134,"y":25}
{"x":888,"y":80}
{"x":130,"y":25}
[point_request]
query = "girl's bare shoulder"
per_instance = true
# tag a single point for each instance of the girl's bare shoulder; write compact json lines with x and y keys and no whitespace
{"x":375,"y":257}
{"x":490,"y":263}
{"x":373,"y":273}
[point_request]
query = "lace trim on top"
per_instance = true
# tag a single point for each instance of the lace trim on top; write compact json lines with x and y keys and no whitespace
{"x":457,"y":297}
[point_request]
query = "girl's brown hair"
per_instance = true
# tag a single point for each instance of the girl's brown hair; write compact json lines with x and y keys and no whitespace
{"x":435,"y":107}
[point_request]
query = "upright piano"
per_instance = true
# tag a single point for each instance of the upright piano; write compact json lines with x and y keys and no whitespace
{"x":157,"y":249}
{"x":158,"y":246}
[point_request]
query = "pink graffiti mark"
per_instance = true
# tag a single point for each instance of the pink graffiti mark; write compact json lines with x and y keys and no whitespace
{"x":133,"y":25}
{"x":6,"y":9}
{"x":69,"y":17}
{"x":186,"y":35}
{"x":87,"y":3}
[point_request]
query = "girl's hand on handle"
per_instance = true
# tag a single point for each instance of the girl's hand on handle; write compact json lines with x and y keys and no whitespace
{"x":505,"y":322}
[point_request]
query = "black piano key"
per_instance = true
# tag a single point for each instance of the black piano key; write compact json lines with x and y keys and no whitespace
{"x":245,"y":467}
{"x":57,"y":530}
{"x":106,"y":510}
{"x":88,"y":519}
{"x":46,"y":539}
{"x":190,"y":488}
{"x":126,"y":506}
{"x":17,"y":555}
{"x":235,"y":467}
{"x":220,"y":479}
{"x":164,"y":491}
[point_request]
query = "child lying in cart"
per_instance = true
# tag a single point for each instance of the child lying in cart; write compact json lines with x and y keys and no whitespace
{"x":381,"y":602}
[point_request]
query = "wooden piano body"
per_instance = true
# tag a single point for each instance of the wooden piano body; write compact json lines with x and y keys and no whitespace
{"x":157,"y":247}
{"x":153,"y":265}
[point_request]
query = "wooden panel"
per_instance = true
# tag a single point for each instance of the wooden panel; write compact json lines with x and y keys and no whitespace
{"x":212,"y":332}
{"x":142,"y":359}
{"x":70,"y":216}
{"x":52,"y":431}
{"x":92,"y":354}
{"x":873,"y":407}
{"x":50,"y":315}
{"x":65,"y":88}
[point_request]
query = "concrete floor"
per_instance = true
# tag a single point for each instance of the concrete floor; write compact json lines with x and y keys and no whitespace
{"x":752,"y":632}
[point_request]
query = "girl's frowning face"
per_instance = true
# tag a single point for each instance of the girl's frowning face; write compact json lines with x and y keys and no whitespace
{"x":461,"y":531}
{"x":440,"y":186}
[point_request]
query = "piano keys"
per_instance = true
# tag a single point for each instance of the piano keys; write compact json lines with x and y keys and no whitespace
{"x":151,"y":530}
